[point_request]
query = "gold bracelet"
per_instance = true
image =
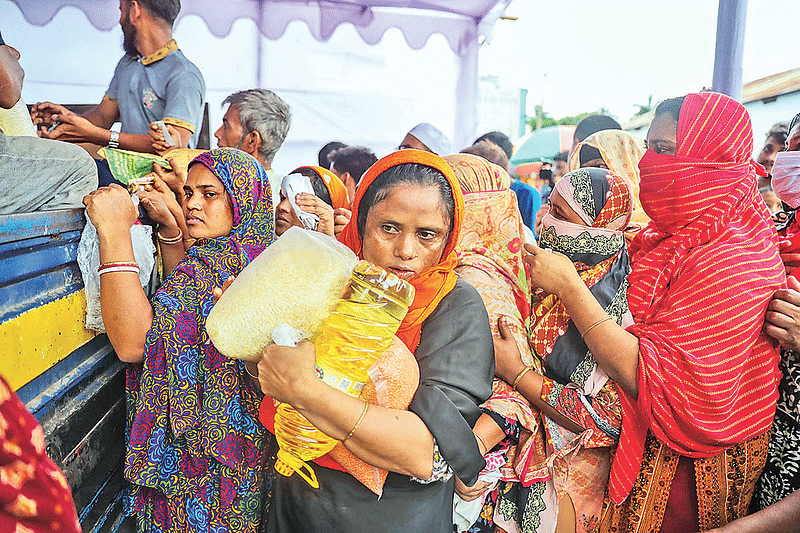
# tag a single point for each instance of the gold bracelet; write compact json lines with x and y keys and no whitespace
{"x":519,"y":377}
{"x":119,"y":263}
{"x":590,"y":328}
{"x":248,"y":371}
{"x":482,"y":442}
{"x":172,"y":240}
{"x":358,"y":423}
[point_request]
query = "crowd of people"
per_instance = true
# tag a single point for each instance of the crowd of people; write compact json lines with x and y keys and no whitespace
{"x":616,"y":352}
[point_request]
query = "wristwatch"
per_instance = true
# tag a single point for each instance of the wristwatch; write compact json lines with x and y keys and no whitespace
{"x":113,"y":139}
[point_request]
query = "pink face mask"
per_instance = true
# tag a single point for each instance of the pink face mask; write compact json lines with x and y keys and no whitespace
{"x":786,"y":178}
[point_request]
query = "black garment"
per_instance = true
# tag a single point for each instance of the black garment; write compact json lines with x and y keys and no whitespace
{"x":781,"y":475}
{"x":456,"y":363}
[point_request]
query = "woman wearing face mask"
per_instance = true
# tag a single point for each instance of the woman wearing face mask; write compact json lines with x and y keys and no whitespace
{"x":407,"y":218}
{"x":194,"y":456}
{"x":589,"y":208}
{"x":323,"y":198}
{"x":697,"y":377}
{"x":620,"y":152}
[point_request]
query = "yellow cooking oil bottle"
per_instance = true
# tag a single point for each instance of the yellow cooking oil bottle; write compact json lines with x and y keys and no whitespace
{"x":349,"y":342}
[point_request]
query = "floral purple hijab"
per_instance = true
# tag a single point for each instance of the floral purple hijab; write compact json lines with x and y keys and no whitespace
{"x":195,"y":445}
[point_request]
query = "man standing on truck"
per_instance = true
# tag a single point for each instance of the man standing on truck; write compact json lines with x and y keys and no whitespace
{"x":152,"y":82}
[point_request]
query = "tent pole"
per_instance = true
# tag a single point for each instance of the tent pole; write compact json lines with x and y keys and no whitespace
{"x":731,"y":19}
{"x":466,"y":122}
{"x":259,"y":57}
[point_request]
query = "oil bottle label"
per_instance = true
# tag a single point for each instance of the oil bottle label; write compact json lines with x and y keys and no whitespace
{"x":353,"y":388}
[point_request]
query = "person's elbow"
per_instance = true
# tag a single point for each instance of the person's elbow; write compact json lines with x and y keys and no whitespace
{"x":10,"y":91}
{"x":417,"y":461}
{"x":128,"y":350}
{"x":129,"y":354}
{"x":7,"y":101}
{"x":421,"y":466}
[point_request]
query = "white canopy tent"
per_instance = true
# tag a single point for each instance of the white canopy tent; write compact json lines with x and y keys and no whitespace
{"x":358,"y":96}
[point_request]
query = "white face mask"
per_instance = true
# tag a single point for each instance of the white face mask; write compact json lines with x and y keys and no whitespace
{"x":786,"y":178}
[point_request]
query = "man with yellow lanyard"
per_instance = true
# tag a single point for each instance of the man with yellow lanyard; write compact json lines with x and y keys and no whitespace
{"x":153,"y":81}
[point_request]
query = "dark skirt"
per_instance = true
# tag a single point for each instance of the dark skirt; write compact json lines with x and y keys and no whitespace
{"x":342,"y":504}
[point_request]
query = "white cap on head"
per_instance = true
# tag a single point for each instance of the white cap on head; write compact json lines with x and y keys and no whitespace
{"x":432,"y":137}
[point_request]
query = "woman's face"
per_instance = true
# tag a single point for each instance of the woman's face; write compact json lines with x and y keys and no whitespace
{"x":793,"y":139}
{"x":598,"y":162}
{"x":662,"y":137}
{"x":560,"y":209}
{"x":285,"y":217}
{"x":407,"y":231}
{"x":206,"y":205}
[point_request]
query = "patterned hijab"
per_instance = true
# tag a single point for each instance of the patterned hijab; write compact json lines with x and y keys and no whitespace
{"x":336,"y":188}
{"x":490,"y":259}
{"x":248,"y":187}
{"x":491,"y":235}
{"x":621,"y":152}
{"x":433,"y":284}
{"x":604,"y":203}
{"x":476,"y":174}
{"x":185,"y":387}
{"x":704,"y":271}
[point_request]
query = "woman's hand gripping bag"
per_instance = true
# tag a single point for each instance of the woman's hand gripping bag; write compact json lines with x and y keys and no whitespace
{"x":394,"y":381}
{"x":295,"y":281}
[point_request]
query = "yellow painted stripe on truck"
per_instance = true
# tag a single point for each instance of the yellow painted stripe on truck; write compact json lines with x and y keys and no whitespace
{"x":37,"y":339}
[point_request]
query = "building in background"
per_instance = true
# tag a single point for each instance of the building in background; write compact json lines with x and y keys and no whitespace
{"x":769,"y":100}
{"x":498,"y":107}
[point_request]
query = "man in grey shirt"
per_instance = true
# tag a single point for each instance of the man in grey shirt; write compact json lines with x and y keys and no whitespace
{"x":37,"y":174}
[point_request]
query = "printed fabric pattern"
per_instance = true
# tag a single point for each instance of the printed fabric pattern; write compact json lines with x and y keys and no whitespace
{"x":490,"y":259}
{"x":195,"y":449}
{"x":34,"y":495}
{"x":781,"y":474}
{"x":704,"y":271}
{"x":724,"y":483}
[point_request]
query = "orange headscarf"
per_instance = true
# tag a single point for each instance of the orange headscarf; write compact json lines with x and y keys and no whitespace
{"x":436,"y":282}
{"x":335,"y":187}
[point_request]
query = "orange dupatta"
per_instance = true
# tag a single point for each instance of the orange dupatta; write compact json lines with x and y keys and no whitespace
{"x":433,"y":284}
{"x":335,"y":187}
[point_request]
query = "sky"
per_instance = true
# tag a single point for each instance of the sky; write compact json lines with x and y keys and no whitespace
{"x":572,"y":56}
{"x":577,"y":55}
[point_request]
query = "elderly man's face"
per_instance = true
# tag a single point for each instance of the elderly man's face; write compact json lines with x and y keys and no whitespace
{"x":229,"y":135}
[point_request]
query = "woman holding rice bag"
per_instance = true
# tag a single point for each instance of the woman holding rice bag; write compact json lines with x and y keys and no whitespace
{"x":407,"y":216}
{"x":195,"y":448}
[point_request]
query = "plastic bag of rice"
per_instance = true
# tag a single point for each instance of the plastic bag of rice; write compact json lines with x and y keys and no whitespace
{"x":295,"y":281}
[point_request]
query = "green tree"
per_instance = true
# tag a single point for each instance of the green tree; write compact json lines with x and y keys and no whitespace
{"x":643,"y":109}
{"x":540,"y":119}
{"x":565,"y":121}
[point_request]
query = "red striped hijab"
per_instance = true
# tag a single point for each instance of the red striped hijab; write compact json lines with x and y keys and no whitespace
{"x":704,"y":271}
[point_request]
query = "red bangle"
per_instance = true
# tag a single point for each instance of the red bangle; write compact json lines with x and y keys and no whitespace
{"x":121,"y":268}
